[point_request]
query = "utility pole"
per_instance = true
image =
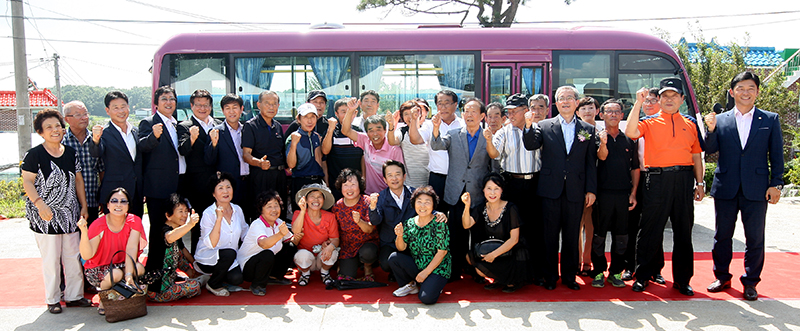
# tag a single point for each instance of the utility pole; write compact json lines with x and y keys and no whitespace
{"x":21,"y":79}
{"x":59,"y":102}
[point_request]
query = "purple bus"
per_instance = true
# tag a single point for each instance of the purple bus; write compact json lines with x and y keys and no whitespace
{"x":490,"y":64}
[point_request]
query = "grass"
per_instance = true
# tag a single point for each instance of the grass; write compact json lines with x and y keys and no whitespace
{"x":12,"y":200}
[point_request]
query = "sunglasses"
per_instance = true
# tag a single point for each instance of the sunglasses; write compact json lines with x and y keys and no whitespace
{"x":118,"y":201}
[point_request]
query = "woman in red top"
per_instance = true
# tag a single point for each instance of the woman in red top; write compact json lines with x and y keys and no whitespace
{"x":316,"y":234}
{"x":359,"y":238}
{"x":113,"y":232}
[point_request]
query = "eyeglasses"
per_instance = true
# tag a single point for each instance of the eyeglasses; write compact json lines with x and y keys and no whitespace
{"x":614,"y":112}
{"x":651,"y":101}
{"x":78,"y":116}
{"x":167,"y":99}
{"x":445,"y":104}
{"x":118,"y":201}
{"x":566,"y":99}
{"x":202,"y":106}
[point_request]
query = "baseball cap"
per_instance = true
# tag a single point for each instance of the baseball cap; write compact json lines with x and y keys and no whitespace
{"x":672,"y":84}
{"x":516,"y":100}
{"x":317,"y":93}
{"x":306,"y":109}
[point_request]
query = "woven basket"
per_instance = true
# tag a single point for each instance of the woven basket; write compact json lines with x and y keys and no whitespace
{"x":118,"y":308}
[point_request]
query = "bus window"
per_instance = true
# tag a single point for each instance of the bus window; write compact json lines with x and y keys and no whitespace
{"x":589,"y":72}
{"x":292,"y":77}
{"x":192,"y":72}
{"x":531,"y":80}
{"x":500,"y":84}
{"x":644,"y":70}
{"x":399,"y":78}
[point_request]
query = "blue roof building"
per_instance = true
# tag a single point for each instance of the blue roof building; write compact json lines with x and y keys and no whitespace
{"x":755,"y":57}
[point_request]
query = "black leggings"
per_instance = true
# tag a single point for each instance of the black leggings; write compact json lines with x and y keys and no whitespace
{"x":367,"y":254}
{"x":220,"y":273}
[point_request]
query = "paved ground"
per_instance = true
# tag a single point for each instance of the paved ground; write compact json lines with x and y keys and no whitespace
{"x":782,"y":236}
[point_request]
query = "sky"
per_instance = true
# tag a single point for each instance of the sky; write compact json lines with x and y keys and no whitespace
{"x":119,"y":54}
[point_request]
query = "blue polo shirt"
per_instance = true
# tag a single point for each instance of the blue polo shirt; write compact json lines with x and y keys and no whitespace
{"x":306,"y":163}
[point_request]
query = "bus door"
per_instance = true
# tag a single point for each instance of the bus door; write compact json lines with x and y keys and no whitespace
{"x":507,"y":78}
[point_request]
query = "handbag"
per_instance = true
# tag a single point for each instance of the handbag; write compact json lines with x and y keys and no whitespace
{"x":490,"y":245}
{"x":122,"y":301}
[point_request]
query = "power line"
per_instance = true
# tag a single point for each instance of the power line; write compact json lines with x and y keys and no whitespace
{"x":417,"y":23}
{"x":87,"y":42}
{"x":100,"y":25}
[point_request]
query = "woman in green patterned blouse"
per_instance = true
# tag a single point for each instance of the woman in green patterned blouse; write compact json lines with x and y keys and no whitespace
{"x":427,"y":269}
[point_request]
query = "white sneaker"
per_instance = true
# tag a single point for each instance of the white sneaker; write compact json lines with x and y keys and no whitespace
{"x":410,"y":288}
{"x":220,"y":292}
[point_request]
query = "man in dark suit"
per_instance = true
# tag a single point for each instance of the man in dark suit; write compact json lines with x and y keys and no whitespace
{"x":749,"y":174}
{"x":468,"y":163}
{"x":224,"y":149}
{"x":567,"y":182}
{"x":192,"y":141}
{"x":115,"y":144}
{"x":158,"y":142}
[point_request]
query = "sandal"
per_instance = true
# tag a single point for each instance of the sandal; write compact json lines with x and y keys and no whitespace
{"x":368,"y":278}
{"x":54,"y":308}
{"x":326,"y":278}
{"x":303,"y":281}
{"x":101,"y":311}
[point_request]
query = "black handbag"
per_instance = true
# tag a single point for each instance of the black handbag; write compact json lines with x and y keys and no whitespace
{"x":490,"y":245}
{"x":122,"y":301}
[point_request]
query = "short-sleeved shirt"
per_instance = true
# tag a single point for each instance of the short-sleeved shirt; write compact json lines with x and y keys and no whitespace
{"x":112,"y":242}
{"x":614,"y":173}
{"x":250,"y":246}
{"x":374,"y":159}
{"x":266,"y":140}
{"x":670,"y":140}
{"x":416,"y":157}
{"x":514,"y":157}
{"x":90,"y":166}
{"x":314,"y":234}
{"x":55,"y":184}
{"x":439,"y":161}
{"x":425,"y":242}
{"x":343,"y":154}
{"x":306,"y":162}
{"x":351,"y":236}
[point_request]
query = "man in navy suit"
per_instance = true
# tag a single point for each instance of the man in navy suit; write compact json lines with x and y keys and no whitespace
{"x":224,"y":149}
{"x":567,"y":183}
{"x":749,"y":174}
{"x":158,"y":143}
{"x":115,"y":144}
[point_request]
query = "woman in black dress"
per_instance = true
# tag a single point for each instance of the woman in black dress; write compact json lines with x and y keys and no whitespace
{"x":495,"y":220}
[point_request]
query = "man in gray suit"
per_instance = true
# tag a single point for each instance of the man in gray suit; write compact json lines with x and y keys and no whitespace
{"x":468,"y":164}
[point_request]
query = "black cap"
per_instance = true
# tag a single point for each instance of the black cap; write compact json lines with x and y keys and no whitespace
{"x":317,"y":93}
{"x":516,"y":100}
{"x":671,"y":84}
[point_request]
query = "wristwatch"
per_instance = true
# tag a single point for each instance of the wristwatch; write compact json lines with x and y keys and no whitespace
{"x":779,"y":187}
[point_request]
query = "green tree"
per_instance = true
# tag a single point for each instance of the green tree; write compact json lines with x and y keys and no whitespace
{"x":712,"y":70}
{"x":93,"y":97}
{"x":491,"y":13}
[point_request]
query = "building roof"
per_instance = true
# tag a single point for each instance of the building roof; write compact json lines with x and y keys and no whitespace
{"x":39,"y":99}
{"x":755,"y":57}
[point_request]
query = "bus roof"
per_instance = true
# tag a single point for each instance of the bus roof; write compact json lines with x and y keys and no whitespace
{"x":428,"y":39}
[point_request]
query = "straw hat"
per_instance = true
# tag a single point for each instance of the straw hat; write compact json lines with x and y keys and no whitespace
{"x":326,"y":192}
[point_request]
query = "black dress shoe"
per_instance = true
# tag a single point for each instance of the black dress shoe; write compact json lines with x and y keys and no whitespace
{"x":549,"y":286}
{"x":750,"y":293}
{"x":684,"y":289}
{"x":718,"y":286}
{"x":627,"y":275}
{"x":493,"y":286}
{"x":82,"y":302}
{"x":658,"y":279}
{"x":572,"y":286}
{"x":639,"y":285}
{"x":279,"y":281}
{"x":538,"y":282}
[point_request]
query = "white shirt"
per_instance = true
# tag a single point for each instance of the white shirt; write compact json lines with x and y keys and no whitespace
{"x":170,"y":123}
{"x":229,"y":235}
{"x":743,"y":124}
{"x":207,"y":125}
{"x":514,"y":157}
{"x":398,"y":199}
{"x":236,"y":136}
{"x":250,"y":245}
{"x":439,"y":160}
{"x":127,"y":136}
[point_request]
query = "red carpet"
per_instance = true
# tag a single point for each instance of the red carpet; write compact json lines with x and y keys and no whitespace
{"x":21,"y":286}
